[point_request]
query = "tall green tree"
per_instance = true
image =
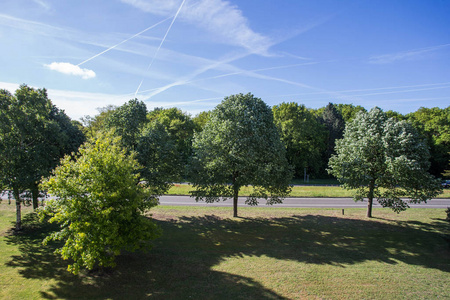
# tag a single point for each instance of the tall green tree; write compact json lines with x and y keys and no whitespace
{"x":334,"y":123}
{"x":384,"y":159}
{"x":34,"y":136}
{"x":201,"y":119}
{"x":157,"y":153}
{"x":156,"y":147}
{"x":349,"y":111}
{"x":239,"y":146}
{"x":180,"y":127}
{"x":99,"y":205}
{"x":94,"y":124}
{"x":434,"y":123}
{"x":303,"y":135}
{"x":128,"y":120}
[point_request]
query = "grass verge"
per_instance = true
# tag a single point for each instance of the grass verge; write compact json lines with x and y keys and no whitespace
{"x":308,"y":191}
{"x":267,"y":253}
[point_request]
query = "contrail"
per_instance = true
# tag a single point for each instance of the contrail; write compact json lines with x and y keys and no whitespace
{"x":183,"y":82}
{"x":162,"y":41}
{"x":112,"y":47}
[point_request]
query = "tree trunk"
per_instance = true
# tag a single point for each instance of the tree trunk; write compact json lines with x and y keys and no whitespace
{"x":34,"y":195}
{"x":235,"y":202}
{"x":370,"y":198}
{"x":18,"y":209}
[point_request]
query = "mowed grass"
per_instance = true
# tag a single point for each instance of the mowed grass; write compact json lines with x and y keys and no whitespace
{"x":309,"y":191}
{"x":266,"y":253}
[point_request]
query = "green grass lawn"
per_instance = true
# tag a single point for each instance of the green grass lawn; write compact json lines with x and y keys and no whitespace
{"x":267,"y":253}
{"x":297,"y":191}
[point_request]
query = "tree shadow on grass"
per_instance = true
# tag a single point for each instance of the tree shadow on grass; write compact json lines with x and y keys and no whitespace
{"x":180,"y":264}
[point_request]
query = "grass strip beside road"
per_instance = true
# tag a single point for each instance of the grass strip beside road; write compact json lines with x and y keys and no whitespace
{"x":267,"y":253}
{"x":301,"y":191}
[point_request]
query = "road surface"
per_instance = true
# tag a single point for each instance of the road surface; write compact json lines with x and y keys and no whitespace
{"x":298,"y":202}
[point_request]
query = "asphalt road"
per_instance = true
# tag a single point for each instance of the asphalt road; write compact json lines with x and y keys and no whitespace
{"x":298,"y":202}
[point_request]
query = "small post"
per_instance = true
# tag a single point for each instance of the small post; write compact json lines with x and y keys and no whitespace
{"x":342,"y":211}
{"x":304,"y":176}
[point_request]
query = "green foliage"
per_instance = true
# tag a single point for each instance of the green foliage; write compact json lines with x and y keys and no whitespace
{"x":239,"y":146}
{"x":349,"y":111}
{"x":157,"y":153}
{"x":385,"y":159}
{"x":99,"y":205}
{"x":180,"y":127}
{"x":434,"y":123}
{"x":201,"y":119}
{"x":127,"y":120}
{"x":303,"y":135}
{"x":94,"y":124}
{"x":34,"y":136}
{"x":333,"y":121}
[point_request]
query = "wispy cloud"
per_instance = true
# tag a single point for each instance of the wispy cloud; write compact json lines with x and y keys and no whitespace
{"x":405,"y":55}
{"x":43,"y":4}
{"x":225,"y":21}
{"x":70,"y":69}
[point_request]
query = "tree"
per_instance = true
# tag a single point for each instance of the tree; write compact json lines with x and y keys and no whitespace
{"x":303,"y":136}
{"x":34,"y":136}
{"x":94,"y":124}
{"x":201,"y":119}
{"x":349,"y":111}
{"x":99,"y":204}
{"x":384,"y":159}
{"x":434,"y":123}
{"x":239,"y":146}
{"x":127,"y":120}
{"x":160,"y":160}
{"x":180,"y":127}
{"x":333,"y":121}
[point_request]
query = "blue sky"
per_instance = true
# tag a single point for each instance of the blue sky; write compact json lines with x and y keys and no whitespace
{"x":192,"y":53}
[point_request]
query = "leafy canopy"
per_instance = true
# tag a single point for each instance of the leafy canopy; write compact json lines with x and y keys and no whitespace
{"x":34,"y":135}
{"x":303,"y":135}
{"x":239,"y":146}
{"x":384,"y":159}
{"x":99,"y":204}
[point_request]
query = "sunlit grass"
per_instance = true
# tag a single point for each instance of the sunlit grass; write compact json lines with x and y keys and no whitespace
{"x":297,"y":191}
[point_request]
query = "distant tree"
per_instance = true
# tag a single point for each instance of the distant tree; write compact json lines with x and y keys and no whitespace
{"x":303,"y":135}
{"x":156,"y":148}
{"x":159,"y":158}
{"x":99,"y":205}
{"x":349,"y":111}
{"x":201,"y":119}
{"x":384,"y":159}
{"x":395,"y":115}
{"x":335,"y":125}
{"x":94,"y":124}
{"x":434,"y":123}
{"x":180,"y":127}
{"x":128,"y":120}
{"x":34,"y":135}
{"x":239,"y":146}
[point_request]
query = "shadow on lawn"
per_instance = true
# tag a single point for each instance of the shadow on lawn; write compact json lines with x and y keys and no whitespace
{"x":179,"y":265}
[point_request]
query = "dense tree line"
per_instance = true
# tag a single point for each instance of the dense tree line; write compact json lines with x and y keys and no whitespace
{"x":116,"y":164}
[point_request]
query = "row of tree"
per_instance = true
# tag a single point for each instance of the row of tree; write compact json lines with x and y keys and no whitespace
{"x":309,"y":135}
{"x":133,"y":155}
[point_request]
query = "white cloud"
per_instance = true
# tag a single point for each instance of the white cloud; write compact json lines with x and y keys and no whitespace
{"x":225,"y":21}
{"x":70,"y":69}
